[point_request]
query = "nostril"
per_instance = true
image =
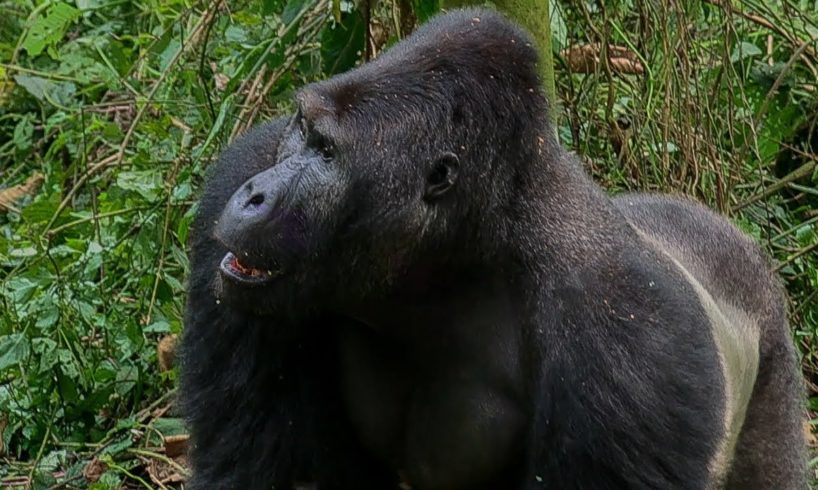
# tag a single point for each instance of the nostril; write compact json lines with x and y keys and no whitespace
{"x":256,"y":200}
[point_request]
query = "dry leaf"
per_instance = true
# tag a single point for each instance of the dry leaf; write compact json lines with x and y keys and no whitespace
{"x":10,"y":195}
{"x":812,"y":440}
{"x":166,"y":352}
{"x":180,"y":124}
{"x":163,"y":473}
{"x":220,"y":79}
{"x":587,"y":59}
{"x":3,"y":424}
{"x":176,"y":446}
{"x":94,"y":470}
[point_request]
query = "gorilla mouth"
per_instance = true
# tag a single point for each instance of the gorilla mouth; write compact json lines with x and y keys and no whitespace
{"x":231,"y":267}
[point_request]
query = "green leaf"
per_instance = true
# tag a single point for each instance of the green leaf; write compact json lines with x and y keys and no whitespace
{"x":36,"y":86}
{"x":126,"y":379}
{"x":43,"y":480}
{"x":169,"y":53}
{"x":424,"y":9}
{"x":14,"y":348}
{"x":183,"y":229}
{"x":744,"y":50}
{"x":291,"y":10}
{"x":23,"y":132}
{"x":45,"y":90}
{"x":269,"y":7}
{"x":182,"y":192}
{"x":105,"y":372}
{"x":236,"y":34}
{"x":89,"y":4}
{"x":21,"y":289}
{"x":52,"y":461}
{"x":108,"y":481}
{"x":118,"y":447}
{"x":94,"y":248}
{"x":159,"y":326}
{"x":168,"y":426}
{"x":173,"y":283}
{"x":47,"y":314}
{"x":67,"y":363}
{"x":24,"y":252}
{"x":47,"y":350}
{"x":50,"y":28}
{"x":126,"y":424}
{"x":343,"y":43}
{"x":559,"y":30}
{"x":805,"y":235}
{"x":145,"y":183}
{"x":42,"y":209}
{"x":67,"y":385}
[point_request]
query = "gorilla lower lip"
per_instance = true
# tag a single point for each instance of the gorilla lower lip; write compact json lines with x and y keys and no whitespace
{"x":239,"y":272}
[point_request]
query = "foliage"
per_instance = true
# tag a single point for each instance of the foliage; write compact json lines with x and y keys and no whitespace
{"x":719,"y":102}
{"x":121,"y":106}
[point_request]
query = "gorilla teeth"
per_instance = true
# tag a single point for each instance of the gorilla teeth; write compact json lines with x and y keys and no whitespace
{"x":246,"y":270}
{"x":236,"y":268}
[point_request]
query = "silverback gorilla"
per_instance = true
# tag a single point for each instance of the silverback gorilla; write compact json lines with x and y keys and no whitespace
{"x":411,"y":283}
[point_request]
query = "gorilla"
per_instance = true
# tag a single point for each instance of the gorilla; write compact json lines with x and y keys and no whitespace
{"x":410,"y":283}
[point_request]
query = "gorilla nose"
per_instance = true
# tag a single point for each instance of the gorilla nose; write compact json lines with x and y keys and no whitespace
{"x":256,"y":197}
{"x":255,"y":200}
{"x":252,"y":205}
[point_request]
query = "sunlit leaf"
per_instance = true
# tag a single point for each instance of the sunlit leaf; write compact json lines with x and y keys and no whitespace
{"x":743,"y":51}
{"x":36,"y":86}
{"x":50,"y":28}
{"x":14,"y":348}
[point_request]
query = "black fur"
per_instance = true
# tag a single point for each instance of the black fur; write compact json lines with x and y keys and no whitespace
{"x":453,"y":303}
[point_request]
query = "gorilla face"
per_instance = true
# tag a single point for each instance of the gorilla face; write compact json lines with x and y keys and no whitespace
{"x":345,"y":206}
{"x":273,"y":221}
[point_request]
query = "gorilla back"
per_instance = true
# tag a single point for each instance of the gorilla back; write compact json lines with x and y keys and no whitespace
{"x":410,"y":280}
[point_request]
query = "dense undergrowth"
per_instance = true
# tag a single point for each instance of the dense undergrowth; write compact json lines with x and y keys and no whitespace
{"x":111,"y":111}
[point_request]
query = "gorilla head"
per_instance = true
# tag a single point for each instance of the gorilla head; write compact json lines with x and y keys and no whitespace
{"x":379,"y":168}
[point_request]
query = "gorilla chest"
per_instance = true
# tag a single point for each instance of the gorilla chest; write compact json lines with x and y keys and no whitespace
{"x":440,"y":416}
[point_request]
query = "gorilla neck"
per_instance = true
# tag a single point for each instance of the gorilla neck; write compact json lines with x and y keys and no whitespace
{"x":571,"y":223}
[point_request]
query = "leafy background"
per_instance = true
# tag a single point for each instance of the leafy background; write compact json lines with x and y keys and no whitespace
{"x":112,"y":110}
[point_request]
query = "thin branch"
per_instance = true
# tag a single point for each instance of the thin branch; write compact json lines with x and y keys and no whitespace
{"x":799,"y":173}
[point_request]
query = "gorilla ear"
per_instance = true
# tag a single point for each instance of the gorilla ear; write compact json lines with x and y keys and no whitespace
{"x":442,"y":176}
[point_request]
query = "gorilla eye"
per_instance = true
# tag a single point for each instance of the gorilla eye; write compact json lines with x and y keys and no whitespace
{"x":327,"y":152}
{"x":321,"y":144}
